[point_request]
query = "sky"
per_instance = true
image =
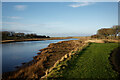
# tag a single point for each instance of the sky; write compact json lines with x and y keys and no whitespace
{"x":60,"y":0}
{"x":59,"y":19}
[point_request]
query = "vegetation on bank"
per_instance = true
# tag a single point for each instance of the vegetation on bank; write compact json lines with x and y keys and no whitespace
{"x":45,"y":59}
{"x":92,"y":62}
{"x":6,"y":35}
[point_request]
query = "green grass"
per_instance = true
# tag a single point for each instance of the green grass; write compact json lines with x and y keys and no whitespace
{"x":92,"y":62}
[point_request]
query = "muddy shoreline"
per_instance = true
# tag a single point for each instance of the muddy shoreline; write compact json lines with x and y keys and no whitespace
{"x":45,"y":59}
{"x":35,"y":39}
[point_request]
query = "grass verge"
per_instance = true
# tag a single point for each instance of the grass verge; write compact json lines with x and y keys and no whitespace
{"x":92,"y":62}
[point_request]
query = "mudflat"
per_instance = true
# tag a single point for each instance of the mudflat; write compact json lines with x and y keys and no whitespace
{"x":34,"y":39}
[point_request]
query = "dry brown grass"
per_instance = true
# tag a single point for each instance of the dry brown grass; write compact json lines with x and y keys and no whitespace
{"x":44,"y":60}
{"x":35,"y":39}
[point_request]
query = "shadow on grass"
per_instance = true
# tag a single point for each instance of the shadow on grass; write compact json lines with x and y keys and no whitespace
{"x":115,"y":59}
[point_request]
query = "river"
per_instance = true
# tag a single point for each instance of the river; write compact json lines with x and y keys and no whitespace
{"x":13,"y":54}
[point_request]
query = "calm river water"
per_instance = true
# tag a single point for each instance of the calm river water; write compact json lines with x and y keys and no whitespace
{"x":13,"y":54}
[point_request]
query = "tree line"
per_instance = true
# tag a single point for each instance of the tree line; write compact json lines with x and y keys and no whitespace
{"x":6,"y":35}
{"x":108,"y":33}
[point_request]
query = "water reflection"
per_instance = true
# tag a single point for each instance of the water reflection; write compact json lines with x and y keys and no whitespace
{"x":13,"y":54}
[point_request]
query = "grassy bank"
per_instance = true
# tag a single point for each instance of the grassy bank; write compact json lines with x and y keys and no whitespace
{"x":45,"y":59}
{"x":92,"y":62}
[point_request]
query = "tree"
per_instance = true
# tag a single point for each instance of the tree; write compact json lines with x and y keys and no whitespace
{"x":5,"y":34}
{"x":12,"y":35}
{"x":106,"y":32}
{"x":117,"y":29}
{"x":102,"y":33}
{"x":95,"y":36}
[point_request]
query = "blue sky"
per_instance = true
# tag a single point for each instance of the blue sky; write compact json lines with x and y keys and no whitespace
{"x":59,"y":18}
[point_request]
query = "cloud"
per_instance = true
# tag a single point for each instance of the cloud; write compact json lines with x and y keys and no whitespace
{"x":14,"y":17}
{"x":20,"y":7}
{"x":80,"y":4}
{"x":13,"y":26}
{"x":25,"y":27}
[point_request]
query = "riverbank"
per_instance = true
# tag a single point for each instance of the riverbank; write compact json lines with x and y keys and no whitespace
{"x":35,"y":39}
{"x":45,"y":59}
{"x":41,"y":39}
{"x":92,"y":62}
